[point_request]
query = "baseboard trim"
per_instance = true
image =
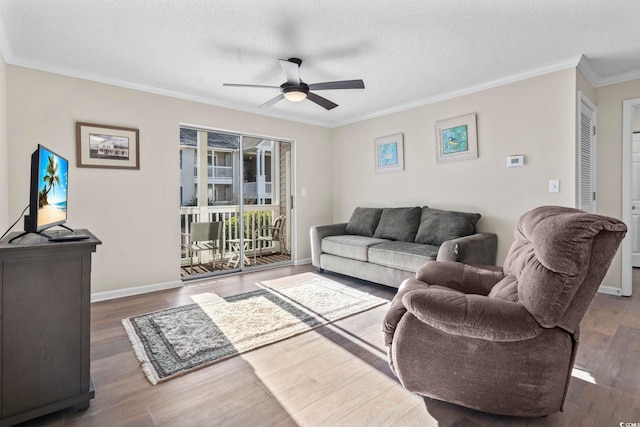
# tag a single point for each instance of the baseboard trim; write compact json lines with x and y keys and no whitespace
{"x":610,"y":290}
{"x":136,"y":290}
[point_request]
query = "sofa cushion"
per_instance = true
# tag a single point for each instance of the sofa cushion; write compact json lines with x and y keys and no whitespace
{"x":402,"y":255}
{"x":436,"y":226}
{"x":398,"y":224}
{"x":349,"y":246}
{"x":364,"y":221}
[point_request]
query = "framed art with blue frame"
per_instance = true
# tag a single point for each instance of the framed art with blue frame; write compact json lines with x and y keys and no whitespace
{"x":389,"y":151}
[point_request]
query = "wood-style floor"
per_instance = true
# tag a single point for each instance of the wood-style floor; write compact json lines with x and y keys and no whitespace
{"x":225,"y":265}
{"x":336,"y":375}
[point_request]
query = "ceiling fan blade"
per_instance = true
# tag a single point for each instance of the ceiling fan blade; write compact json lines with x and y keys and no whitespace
{"x":272,"y":101}
{"x":243,"y":85}
{"x":323,"y":102}
{"x":343,"y":84}
{"x":291,"y":71}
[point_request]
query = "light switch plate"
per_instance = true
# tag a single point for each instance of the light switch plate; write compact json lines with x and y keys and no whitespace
{"x":554,"y":186}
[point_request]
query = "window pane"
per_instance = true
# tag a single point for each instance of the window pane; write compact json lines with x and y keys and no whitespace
{"x":222,"y":148}
{"x":188,"y":167}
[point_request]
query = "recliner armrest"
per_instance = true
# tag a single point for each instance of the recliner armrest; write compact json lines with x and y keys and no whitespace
{"x":473,"y":316}
{"x":479,"y":248}
{"x":319,"y":232}
{"x":468,"y":279}
{"x":397,"y":309}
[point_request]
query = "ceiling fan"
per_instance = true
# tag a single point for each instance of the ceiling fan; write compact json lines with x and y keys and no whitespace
{"x":295,"y":90}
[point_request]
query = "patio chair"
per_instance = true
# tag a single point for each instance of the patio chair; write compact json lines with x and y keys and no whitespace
{"x":277,"y":234}
{"x":204,"y":236}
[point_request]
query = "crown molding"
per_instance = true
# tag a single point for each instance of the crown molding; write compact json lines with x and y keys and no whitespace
{"x":618,"y":78}
{"x":597,"y":80}
{"x":563,"y":65}
{"x":580,"y":62}
{"x":54,"y":69}
{"x":587,"y":71}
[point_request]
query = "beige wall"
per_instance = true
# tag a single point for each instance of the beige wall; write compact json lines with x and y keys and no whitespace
{"x":609,"y":100}
{"x":614,"y":275}
{"x":609,"y":163}
{"x":135,"y":213}
{"x":4,"y":173}
{"x":534,"y":117}
{"x":582,"y":84}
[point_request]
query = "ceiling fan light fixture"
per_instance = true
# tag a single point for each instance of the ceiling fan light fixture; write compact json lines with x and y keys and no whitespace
{"x":295,"y":95}
{"x":295,"y":90}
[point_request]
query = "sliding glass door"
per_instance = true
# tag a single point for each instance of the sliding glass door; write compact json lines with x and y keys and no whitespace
{"x":243,"y":184}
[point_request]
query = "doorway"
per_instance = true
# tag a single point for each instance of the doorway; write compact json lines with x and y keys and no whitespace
{"x":242,"y":183}
{"x":630,"y":124}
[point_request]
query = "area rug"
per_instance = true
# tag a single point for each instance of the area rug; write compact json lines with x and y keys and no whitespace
{"x":175,"y":341}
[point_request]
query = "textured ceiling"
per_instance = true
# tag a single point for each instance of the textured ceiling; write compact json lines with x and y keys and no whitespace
{"x":407,"y":52}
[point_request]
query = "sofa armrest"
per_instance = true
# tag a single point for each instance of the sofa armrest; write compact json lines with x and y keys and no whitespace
{"x":479,"y":248}
{"x":319,"y":232}
{"x":472,"y":316}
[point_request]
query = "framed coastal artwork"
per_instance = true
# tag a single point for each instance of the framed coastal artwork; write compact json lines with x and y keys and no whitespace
{"x":389,"y":152}
{"x":100,"y":146}
{"x":456,"y":139}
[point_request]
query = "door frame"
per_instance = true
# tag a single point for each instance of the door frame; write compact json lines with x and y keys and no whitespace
{"x":291,"y":214}
{"x":627,"y":186}
{"x":291,"y":205}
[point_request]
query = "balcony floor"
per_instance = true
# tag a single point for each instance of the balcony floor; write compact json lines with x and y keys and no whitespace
{"x":266,"y":259}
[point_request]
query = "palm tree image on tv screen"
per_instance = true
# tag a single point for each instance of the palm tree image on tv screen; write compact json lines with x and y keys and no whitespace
{"x":52,"y":190}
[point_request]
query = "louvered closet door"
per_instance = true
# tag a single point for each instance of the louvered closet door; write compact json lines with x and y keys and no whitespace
{"x":587,"y":156}
{"x":635,"y":201}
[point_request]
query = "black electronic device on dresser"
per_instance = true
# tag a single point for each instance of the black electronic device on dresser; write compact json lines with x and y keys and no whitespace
{"x":48,"y":195}
{"x":45,"y":298}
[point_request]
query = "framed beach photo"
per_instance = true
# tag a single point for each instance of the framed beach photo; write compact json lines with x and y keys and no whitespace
{"x":389,"y":151}
{"x":100,"y":146}
{"x":456,"y":139}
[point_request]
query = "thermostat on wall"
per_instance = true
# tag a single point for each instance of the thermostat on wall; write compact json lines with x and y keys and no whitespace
{"x":515,"y":161}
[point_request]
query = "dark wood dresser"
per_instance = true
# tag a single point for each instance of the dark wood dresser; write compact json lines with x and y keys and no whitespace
{"x":45,"y":298}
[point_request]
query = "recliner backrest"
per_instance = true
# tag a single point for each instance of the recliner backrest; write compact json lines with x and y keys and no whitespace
{"x":559,"y":259}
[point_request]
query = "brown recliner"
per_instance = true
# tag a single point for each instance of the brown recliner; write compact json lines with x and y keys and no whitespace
{"x":503,"y":340}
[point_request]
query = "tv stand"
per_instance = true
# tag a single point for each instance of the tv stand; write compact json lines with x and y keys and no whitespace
{"x":45,"y":312}
{"x":24,"y":233}
{"x":42,"y":233}
{"x":64,"y":226}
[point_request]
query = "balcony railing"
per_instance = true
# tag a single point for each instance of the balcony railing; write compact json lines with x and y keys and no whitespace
{"x":256,"y":217}
{"x":220,"y":172}
{"x":251,"y":190}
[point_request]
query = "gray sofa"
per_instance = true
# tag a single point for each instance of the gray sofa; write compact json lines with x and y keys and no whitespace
{"x":388,"y":245}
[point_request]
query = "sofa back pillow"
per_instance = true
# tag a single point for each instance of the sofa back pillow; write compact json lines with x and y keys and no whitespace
{"x":436,"y":226}
{"x":364,"y":221}
{"x":398,"y":224}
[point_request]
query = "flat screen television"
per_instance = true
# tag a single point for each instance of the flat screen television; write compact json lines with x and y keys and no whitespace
{"x":48,"y":192}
